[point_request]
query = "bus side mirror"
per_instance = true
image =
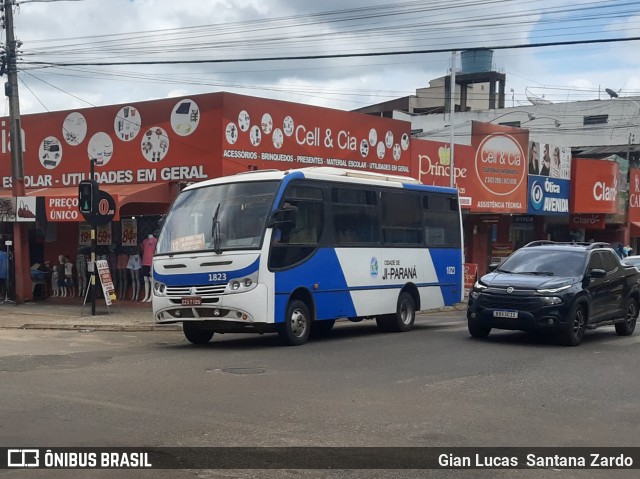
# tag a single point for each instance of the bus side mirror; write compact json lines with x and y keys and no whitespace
{"x":283,"y":216}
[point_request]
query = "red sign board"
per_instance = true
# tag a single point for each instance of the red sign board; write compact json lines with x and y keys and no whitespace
{"x":470,"y":273}
{"x":500,"y":168}
{"x":634,"y":196}
{"x":200,"y":137}
{"x":598,"y":180}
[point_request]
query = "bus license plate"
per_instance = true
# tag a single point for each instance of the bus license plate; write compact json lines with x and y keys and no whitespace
{"x":191,"y":301}
{"x":505,"y":314}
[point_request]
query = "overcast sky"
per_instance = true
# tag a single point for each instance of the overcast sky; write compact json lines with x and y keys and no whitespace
{"x":57,"y":34}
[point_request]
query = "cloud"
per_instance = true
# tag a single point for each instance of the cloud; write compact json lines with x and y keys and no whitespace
{"x":142,"y":30}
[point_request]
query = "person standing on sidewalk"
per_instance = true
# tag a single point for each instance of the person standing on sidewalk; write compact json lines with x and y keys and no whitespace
{"x":4,"y":270}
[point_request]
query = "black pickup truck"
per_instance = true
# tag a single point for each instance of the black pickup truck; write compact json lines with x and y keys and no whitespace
{"x":564,"y":288}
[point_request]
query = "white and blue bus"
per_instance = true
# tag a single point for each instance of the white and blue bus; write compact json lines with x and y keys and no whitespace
{"x":291,"y":251}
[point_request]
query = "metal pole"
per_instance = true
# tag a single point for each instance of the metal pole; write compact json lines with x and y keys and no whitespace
{"x":93,"y":249}
{"x":452,"y":105}
{"x":20,"y":234}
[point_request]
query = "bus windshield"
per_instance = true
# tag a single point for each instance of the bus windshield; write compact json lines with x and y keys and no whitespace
{"x":218,"y":218}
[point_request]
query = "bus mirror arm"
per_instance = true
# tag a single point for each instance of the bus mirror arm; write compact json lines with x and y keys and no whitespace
{"x":283,"y":216}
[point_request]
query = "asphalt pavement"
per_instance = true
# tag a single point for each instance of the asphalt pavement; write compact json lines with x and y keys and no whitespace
{"x":72,"y":314}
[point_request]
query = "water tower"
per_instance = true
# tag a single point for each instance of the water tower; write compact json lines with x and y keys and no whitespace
{"x":477,"y":67}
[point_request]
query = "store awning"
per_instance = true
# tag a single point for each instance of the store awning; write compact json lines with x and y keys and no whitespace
{"x":139,"y":198}
{"x":130,"y":193}
{"x":634,"y":229}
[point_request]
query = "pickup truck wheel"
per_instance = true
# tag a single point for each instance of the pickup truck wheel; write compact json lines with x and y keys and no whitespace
{"x":476,"y":329}
{"x":195,"y":334}
{"x":575,"y":328}
{"x":626,"y":327}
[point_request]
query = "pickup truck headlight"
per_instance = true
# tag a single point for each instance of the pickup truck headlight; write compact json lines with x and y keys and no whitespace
{"x":477,"y":289}
{"x":553,"y":290}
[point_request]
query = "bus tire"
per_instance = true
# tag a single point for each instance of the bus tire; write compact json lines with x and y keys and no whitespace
{"x":297,"y":324}
{"x":403,"y":318}
{"x":195,"y":334}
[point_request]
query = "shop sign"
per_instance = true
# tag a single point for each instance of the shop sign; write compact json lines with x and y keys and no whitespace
{"x":432,"y":161}
{"x":84,"y":234}
{"x":129,"y":232}
{"x":470,"y":273}
{"x":103,"y":235}
{"x":500,"y":168}
{"x":265,"y":134}
{"x":500,"y":252}
{"x":597,"y":186}
{"x":62,"y":209}
{"x":104,"y":274}
{"x":634,"y":195}
{"x":586,"y":221}
{"x":523,"y":219}
{"x":171,"y":140}
{"x":548,"y":196}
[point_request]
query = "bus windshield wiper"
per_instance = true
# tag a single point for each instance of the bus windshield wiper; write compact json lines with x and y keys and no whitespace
{"x":215,"y":232}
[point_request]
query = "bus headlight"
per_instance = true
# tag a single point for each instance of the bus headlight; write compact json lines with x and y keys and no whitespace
{"x":242,"y":285}
{"x":159,"y":289}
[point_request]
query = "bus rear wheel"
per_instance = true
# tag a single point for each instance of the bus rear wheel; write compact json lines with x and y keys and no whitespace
{"x":196,"y":334}
{"x":403,"y":318}
{"x":297,"y":324}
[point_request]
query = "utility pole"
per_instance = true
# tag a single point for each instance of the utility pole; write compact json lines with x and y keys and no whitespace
{"x":20,"y":234}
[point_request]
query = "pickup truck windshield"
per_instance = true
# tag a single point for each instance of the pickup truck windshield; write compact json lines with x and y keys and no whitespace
{"x":218,"y":218}
{"x":551,"y":263}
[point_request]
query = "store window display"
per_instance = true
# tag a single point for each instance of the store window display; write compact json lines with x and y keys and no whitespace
{"x":148,"y":248}
{"x":134,"y":265}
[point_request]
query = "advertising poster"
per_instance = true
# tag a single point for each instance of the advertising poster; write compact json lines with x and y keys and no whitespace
{"x":470,"y":274}
{"x":129,"y":232}
{"x":500,"y":252}
{"x":104,"y":274}
{"x":500,"y":168}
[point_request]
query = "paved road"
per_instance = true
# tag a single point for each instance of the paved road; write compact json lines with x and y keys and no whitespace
{"x":434,"y":386}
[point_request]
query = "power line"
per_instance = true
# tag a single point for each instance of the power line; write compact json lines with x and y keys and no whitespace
{"x":340,"y":55}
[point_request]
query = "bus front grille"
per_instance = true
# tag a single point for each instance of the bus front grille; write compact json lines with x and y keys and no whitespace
{"x":208,"y":290}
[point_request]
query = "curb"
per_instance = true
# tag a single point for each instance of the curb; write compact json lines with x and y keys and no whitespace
{"x":98,"y":327}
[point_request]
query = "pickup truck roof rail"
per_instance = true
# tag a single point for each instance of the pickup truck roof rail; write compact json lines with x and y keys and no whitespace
{"x":589,"y":245}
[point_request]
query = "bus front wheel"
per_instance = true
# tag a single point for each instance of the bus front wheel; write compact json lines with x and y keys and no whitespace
{"x":297,"y":324}
{"x":195,"y":334}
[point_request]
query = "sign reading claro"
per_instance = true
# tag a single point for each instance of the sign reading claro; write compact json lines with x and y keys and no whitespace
{"x":603,"y":192}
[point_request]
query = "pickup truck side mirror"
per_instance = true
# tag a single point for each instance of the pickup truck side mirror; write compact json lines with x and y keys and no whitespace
{"x":597,"y":273}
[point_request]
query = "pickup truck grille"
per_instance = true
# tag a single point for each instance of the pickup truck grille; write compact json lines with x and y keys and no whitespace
{"x":509,"y":301}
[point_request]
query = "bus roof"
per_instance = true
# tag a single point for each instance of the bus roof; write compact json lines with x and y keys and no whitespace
{"x":326,"y":173}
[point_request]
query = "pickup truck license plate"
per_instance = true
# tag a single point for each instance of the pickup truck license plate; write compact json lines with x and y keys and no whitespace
{"x":505,"y":314}
{"x":191,"y":301}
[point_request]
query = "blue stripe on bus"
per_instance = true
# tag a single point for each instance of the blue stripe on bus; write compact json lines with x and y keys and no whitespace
{"x":296,"y":175}
{"x":450,"y":279}
{"x":331,"y":299}
{"x":202,"y":279}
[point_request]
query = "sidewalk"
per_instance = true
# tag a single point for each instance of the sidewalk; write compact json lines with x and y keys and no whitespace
{"x":69,"y":313}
